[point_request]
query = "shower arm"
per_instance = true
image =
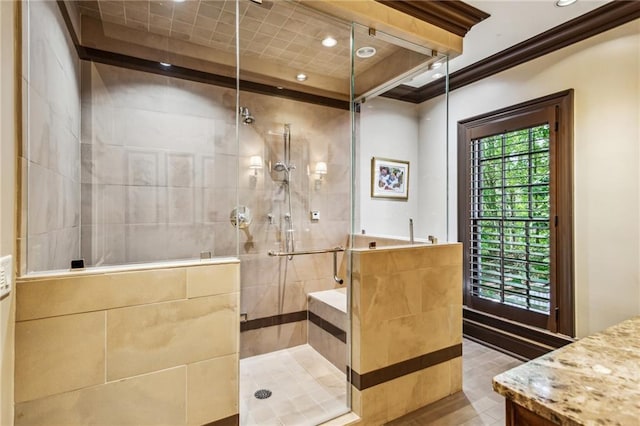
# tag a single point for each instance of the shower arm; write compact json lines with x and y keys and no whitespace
{"x":304,"y":252}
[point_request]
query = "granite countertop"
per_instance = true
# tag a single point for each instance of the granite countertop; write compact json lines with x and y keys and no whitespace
{"x":594,"y":381}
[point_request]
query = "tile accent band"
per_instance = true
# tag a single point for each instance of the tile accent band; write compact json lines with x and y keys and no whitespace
{"x":227,"y":421}
{"x":254,"y":324}
{"x":391,"y":372}
{"x":335,"y":331}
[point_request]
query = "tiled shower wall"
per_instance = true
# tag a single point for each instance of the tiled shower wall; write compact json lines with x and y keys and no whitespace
{"x":50,"y":154}
{"x":275,"y":285}
{"x":161,"y":171}
{"x":158,"y":167}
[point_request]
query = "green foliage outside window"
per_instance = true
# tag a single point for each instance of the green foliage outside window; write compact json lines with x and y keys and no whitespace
{"x":511,"y":238}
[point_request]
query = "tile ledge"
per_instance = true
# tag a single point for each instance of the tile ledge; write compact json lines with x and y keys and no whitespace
{"x":403,"y":247}
{"x":127,"y":268}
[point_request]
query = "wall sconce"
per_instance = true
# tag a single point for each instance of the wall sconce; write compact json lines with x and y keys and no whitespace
{"x":255,"y":164}
{"x":321,"y":170}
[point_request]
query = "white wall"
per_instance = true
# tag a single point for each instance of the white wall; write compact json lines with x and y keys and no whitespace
{"x":432,"y":182}
{"x":605,"y":73}
{"x":7,"y":205}
{"x":388,"y":129}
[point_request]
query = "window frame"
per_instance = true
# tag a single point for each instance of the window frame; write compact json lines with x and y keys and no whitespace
{"x":558,"y":108}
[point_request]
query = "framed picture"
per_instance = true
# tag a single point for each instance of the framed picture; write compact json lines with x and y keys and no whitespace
{"x":389,"y":178}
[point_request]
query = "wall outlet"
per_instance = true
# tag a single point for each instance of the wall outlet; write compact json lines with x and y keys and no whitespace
{"x":6,"y":275}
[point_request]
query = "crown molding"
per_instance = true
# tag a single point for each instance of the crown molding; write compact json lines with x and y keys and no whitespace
{"x":454,"y":16}
{"x":599,"y":20}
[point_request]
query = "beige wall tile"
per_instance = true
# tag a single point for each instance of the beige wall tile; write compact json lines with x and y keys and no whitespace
{"x":60,"y":354}
{"x":407,"y":259}
{"x":395,"y":398}
{"x":334,"y":350}
{"x":268,"y":300}
{"x":356,"y":344}
{"x":356,"y":401}
{"x":407,"y":338}
{"x":356,"y":296}
{"x":374,"y":346}
{"x":404,"y":395}
{"x":442,"y":327}
{"x":148,"y":338}
{"x":212,"y":390}
{"x":61,"y":296}
{"x":375,"y":263}
{"x":152,"y":399}
{"x":384,"y":297}
{"x":329,"y":313}
{"x":441,"y":255}
{"x":373,"y":403}
{"x":269,"y":339}
{"x":213,"y":279}
{"x":436,"y":383}
{"x":456,"y":375}
{"x":441,"y":286}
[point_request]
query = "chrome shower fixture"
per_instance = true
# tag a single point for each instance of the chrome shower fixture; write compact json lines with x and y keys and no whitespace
{"x":247,"y":118}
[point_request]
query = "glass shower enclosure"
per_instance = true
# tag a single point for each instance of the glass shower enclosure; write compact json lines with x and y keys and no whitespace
{"x":159,"y":131}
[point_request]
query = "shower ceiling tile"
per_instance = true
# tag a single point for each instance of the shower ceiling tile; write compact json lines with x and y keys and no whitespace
{"x":203,"y":33}
{"x":159,"y":8}
{"x":283,"y":34}
{"x":160,"y":21}
{"x":112,"y":7}
{"x":180,"y":36}
{"x":160,"y":31}
{"x":136,"y":5}
{"x":182,"y":27}
{"x":209,"y":10}
{"x":115,"y":19}
{"x":138,"y":25}
{"x":90,"y":4}
{"x":139,"y":15}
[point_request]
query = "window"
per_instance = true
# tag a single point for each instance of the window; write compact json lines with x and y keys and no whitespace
{"x":515,"y":216}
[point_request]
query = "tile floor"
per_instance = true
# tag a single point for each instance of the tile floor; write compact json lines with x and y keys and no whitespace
{"x":307,"y":390}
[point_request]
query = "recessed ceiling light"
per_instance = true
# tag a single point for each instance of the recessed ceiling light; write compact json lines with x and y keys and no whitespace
{"x":563,"y":3}
{"x":436,"y":65}
{"x":301,"y":77}
{"x":366,"y":52}
{"x":165,"y":64}
{"x":329,"y":42}
{"x":179,"y":1}
{"x":437,"y":75}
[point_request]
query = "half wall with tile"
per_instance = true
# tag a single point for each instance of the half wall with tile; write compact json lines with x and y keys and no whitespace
{"x":406,"y":328}
{"x":129,"y":346}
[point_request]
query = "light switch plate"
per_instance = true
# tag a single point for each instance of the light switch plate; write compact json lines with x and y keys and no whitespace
{"x":6,"y":275}
{"x":315,"y":215}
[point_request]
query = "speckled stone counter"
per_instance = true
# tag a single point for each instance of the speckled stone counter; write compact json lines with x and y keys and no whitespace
{"x":594,"y":381}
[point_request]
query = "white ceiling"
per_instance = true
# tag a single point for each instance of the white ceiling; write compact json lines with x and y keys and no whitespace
{"x":511,"y":22}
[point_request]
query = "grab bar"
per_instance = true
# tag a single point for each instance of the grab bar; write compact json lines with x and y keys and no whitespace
{"x":298,"y":253}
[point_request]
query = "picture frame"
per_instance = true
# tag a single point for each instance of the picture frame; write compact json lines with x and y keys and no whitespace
{"x":389,"y":178}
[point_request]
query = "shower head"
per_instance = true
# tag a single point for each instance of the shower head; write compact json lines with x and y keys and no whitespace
{"x":280,"y":167}
{"x":247,"y":118}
